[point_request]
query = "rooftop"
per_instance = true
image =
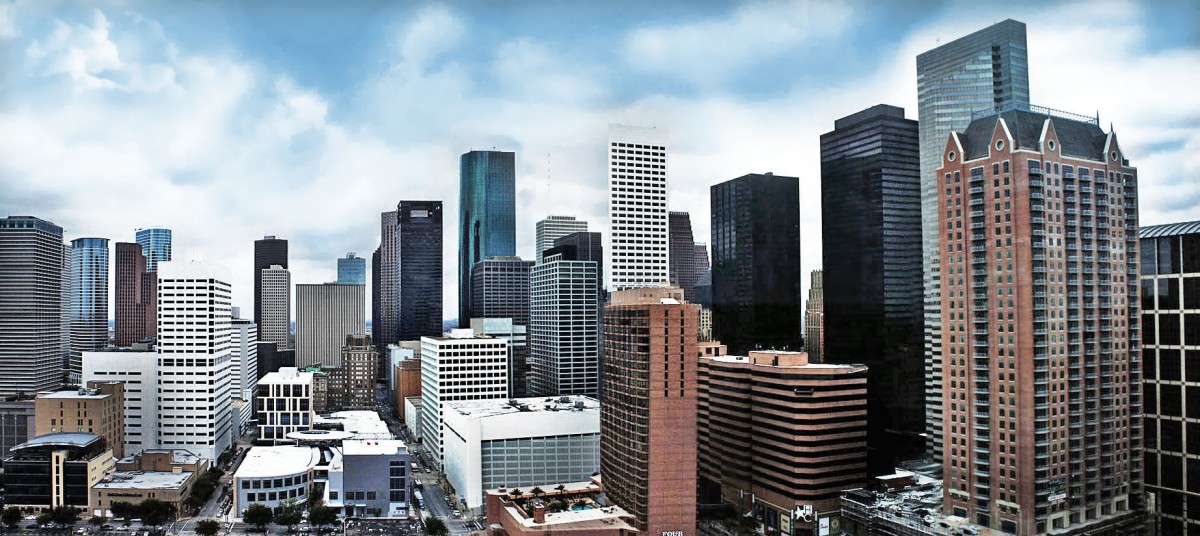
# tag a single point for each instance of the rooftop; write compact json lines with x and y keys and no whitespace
{"x":386,"y":447}
{"x":481,"y":409}
{"x":1169,"y":229}
{"x":144,"y":480}
{"x":286,"y":375}
{"x":79,"y":394}
{"x":789,"y":360}
{"x":362,"y":424}
{"x":263,"y":462}
{"x":63,"y":439}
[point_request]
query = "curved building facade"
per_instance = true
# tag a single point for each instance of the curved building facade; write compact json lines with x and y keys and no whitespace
{"x":89,"y":299}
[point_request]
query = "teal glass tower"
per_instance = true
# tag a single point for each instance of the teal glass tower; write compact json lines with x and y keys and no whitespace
{"x":89,"y":300}
{"x":352,"y":270}
{"x":156,"y":246}
{"x":487,"y":216}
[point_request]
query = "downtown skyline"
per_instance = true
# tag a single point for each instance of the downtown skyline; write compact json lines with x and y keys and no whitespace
{"x":92,"y":145}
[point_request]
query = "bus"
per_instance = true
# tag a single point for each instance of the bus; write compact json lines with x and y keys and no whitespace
{"x":420,"y":500}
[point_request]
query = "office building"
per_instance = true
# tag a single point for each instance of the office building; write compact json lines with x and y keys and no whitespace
{"x":1042,"y":432}
{"x":376,"y":295}
{"x":756,"y":280}
{"x":284,"y":403}
{"x":129,"y":306}
{"x":386,"y":323}
{"x":778,"y":434}
{"x":268,"y":252}
{"x":648,"y":419}
{"x":371,"y":480}
{"x":163,"y":475}
{"x":500,"y":289}
{"x":1170,"y":336}
{"x":325,"y":315}
{"x":55,"y":470}
{"x":275,"y":316}
{"x":156,"y":246}
{"x":17,"y":423}
{"x":98,"y":408}
{"x":552,"y":228}
{"x":352,"y":270}
{"x":487,"y":222}
{"x":89,"y":300}
{"x":138,"y":372}
{"x":192,"y":415}
{"x":34,"y":284}
{"x":563,"y":329}
{"x":814,"y":321}
{"x":418,"y":270}
{"x":518,"y":350}
{"x":682,"y":258}
{"x":352,"y":384}
{"x":408,"y":384}
{"x":461,"y":365}
{"x":525,"y":443}
{"x":981,"y":71}
{"x":700,"y":259}
{"x":637,"y":208}
{"x":873,"y":303}
{"x":243,"y":372}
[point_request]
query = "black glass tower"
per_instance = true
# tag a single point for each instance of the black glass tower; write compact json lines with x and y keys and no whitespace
{"x":419,"y":269}
{"x":487,"y":216}
{"x":268,"y":252}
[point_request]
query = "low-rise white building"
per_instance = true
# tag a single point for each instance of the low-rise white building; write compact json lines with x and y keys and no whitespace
{"x":285,"y":403}
{"x":271,"y":475}
{"x":412,"y":416}
{"x":519,"y":443}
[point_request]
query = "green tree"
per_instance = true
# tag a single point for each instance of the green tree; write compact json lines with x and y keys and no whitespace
{"x":435,"y":526}
{"x":322,"y":515}
{"x":96,"y":521}
{"x":288,"y":514}
{"x":11,"y":516}
{"x":155,"y":512}
{"x":561,"y":488}
{"x":44,"y":518}
{"x":516,"y":492}
{"x":64,"y":515}
{"x":258,"y":515}
{"x":208,"y":527}
{"x":536,"y":491}
{"x":123,"y":510}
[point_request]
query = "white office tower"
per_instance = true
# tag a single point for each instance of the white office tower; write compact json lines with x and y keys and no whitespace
{"x":139,"y":372}
{"x":276,"y":306}
{"x":195,"y":351}
{"x":552,"y":228}
{"x":458,"y":366}
{"x":325,"y":315}
{"x":637,"y":175}
{"x":563,"y":328}
{"x":243,"y":373}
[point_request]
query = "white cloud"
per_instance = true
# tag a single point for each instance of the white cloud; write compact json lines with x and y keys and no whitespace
{"x":435,"y":32}
{"x":8,"y":24}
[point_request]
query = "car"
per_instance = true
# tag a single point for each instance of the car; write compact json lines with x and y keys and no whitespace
{"x":457,"y":513}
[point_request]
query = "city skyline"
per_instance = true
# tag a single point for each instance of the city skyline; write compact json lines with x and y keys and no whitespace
{"x":306,"y":118}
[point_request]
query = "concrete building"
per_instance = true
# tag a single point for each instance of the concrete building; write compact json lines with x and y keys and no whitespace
{"x":164,"y":475}
{"x":275,"y":315}
{"x":17,"y":423}
{"x":97,"y":409}
{"x":1042,"y":432}
{"x":981,"y":71}
{"x":778,"y":434}
{"x":89,"y":300}
{"x":563,"y":330}
{"x":272,"y":475}
{"x":500,"y":289}
{"x":518,"y":350}
{"x":34,"y":305}
{"x":243,"y":372}
{"x":352,"y":270}
{"x":814,"y":317}
{"x":521,"y":514}
{"x":412,"y":417}
{"x":408,"y":384}
{"x":132,"y":307}
{"x":268,"y":252}
{"x":325,"y":315}
{"x":193,"y":306}
{"x":385,"y":305}
{"x":552,"y":228}
{"x":487,"y":221}
{"x":370,"y":479}
{"x":648,"y":420}
{"x":682,"y":258}
{"x":637,"y":171}
{"x":459,"y":366}
{"x":55,"y":470}
{"x":522,"y":443}
{"x":284,"y":403}
{"x":352,"y":384}
{"x":138,"y":371}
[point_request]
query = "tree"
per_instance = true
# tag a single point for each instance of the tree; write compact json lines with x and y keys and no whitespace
{"x":123,"y":510}
{"x":322,"y":515}
{"x":313,"y":498}
{"x":96,"y":521}
{"x":561,"y":488}
{"x":64,"y":515}
{"x":208,"y":527}
{"x":11,"y":516}
{"x":435,"y":527}
{"x":288,"y":514}
{"x":516,"y":492}
{"x":258,"y":515}
{"x":555,"y":506}
{"x":536,"y":491}
{"x":155,"y":512}
{"x":44,"y":518}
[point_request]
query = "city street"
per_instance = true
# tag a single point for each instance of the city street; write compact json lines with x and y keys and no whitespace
{"x":436,"y":503}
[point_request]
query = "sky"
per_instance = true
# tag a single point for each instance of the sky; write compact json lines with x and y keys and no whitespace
{"x":227,"y":121}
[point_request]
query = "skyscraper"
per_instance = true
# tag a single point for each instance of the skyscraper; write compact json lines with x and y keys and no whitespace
{"x":89,"y":300}
{"x":637,"y":174}
{"x":418,"y":275}
{"x":376,"y":295}
{"x":243,"y":372}
{"x":814,"y":321}
{"x":756,"y":281}
{"x":873,"y":306}
{"x":563,"y":329}
{"x":981,"y":71}
{"x":31,"y":305}
{"x":156,"y":246}
{"x":129,"y":307}
{"x":648,"y":418}
{"x":500,"y":289}
{"x":682,"y":258}
{"x":352,"y":270}
{"x":388,"y":322}
{"x":1042,"y":385}
{"x":1170,"y":295}
{"x":552,"y":228}
{"x":325,"y":315}
{"x":275,"y":318}
{"x":487,"y":216}
{"x":463,"y":365}
{"x":268,"y":252}
{"x":700,"y":259}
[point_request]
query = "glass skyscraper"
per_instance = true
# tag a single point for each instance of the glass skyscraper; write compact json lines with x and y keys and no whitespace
{"x":33,"y":275}
{"x":156,"y":246}
{"x":352,"y":270}
{"x":983,"y":71}
{"x":487,"y":216}
{"x":89,"y":300}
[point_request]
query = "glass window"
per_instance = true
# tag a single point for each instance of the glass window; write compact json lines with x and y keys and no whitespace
{"x":1149,"y":264}
{"x":1191,"y":253}
{"x":1168,"y":250}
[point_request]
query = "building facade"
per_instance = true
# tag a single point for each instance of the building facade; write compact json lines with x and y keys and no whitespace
{"x":648,"y":420}
{"x":385,"y":316}
{"x":274,"y":475}
{"x":756,"y":280}
{"x":275,"y":315}
{"x":682,"y":253}
{"x":89,"y":300}
{"x":487,"y":221}
{"x":156,"y":245}
{"x":284,"y":403}
{"x":814,"y":322}
{"x":418,"y":272}
{"x":325,"y":315}
{"x":518,"y":350}
{"x":243,"y":372}
{"x":637,"y":178}
{"x":352,"y":270}
{"x":374,"y":480}
{"x":97,"y":409}
{"x":1043,"y":389}
{"x":55,"y":470}
{"x":460,"y":366}
{"x":34,"y":305}
{"x":130,"y":306}
{"x":352,"y":384}
{"x":563,"y":328}
{"x":500,"y":289}
{"x":981,"y":71}
{"x":138,"y":372}
{"x":552,"y":228}
{"x":18,"y":421}
{"x":268,"y":252}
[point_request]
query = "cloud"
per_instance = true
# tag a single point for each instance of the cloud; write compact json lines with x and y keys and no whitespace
{"x":8,"y":25}
{"x":435,"y":32}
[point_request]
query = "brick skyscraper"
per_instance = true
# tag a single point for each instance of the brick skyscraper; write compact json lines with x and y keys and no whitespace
{"x":129,"y":304}
{"x":648,"y":419}
{"x":1042,"y":387}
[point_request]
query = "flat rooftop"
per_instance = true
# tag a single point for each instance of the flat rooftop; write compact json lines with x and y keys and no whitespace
{"x":368,"y":447}
{"x":81,"y":394}
{"x":144,"y":480}
{"x":362,"y":424}
{"x":482,"y":409}
{"x":262,"y":462}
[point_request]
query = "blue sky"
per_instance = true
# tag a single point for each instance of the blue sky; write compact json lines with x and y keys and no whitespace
{"x":227,"y":121}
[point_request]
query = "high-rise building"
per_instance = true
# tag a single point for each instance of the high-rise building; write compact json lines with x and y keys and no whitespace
{"x":325,"y":315}
{"x":193,"y":306}
{"x":778,"y":434}
{"x":418,"y":270}
{"x":1042,"y":388}
{"x":138,"y":371}
{"x":32,"y":281}
{"x":131,"y":304}
{"x":156,"y":246}
{"x":243,"y":371}
{"x":461,"y":365}
{"x":352,"y":384}
{"x":376,"y":297}
{"x":98,"y":408}
{"x":756,"y":280}
{"x":873,"y":305}
{"x":268,"y":252}
{"x":585,"y":246}
{"x":981,"y":71}
{"x":648,"y":418}
{"x":352,"y":270}
{"x":1170,"y":297}
{"x":682,"y":257}
{"x":637,"y":208}
{"x":275,"y":314}
{"x":89,"y":300}
{"x":518,"y":350}
{"x":553,"y":228}
{"x":700,"y":259}
{"x":500,"y":289}
{"x":387,"y":322}
{"x":563,"y":328}
{"x":487,"y":221}
{"x":814,"y":321}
